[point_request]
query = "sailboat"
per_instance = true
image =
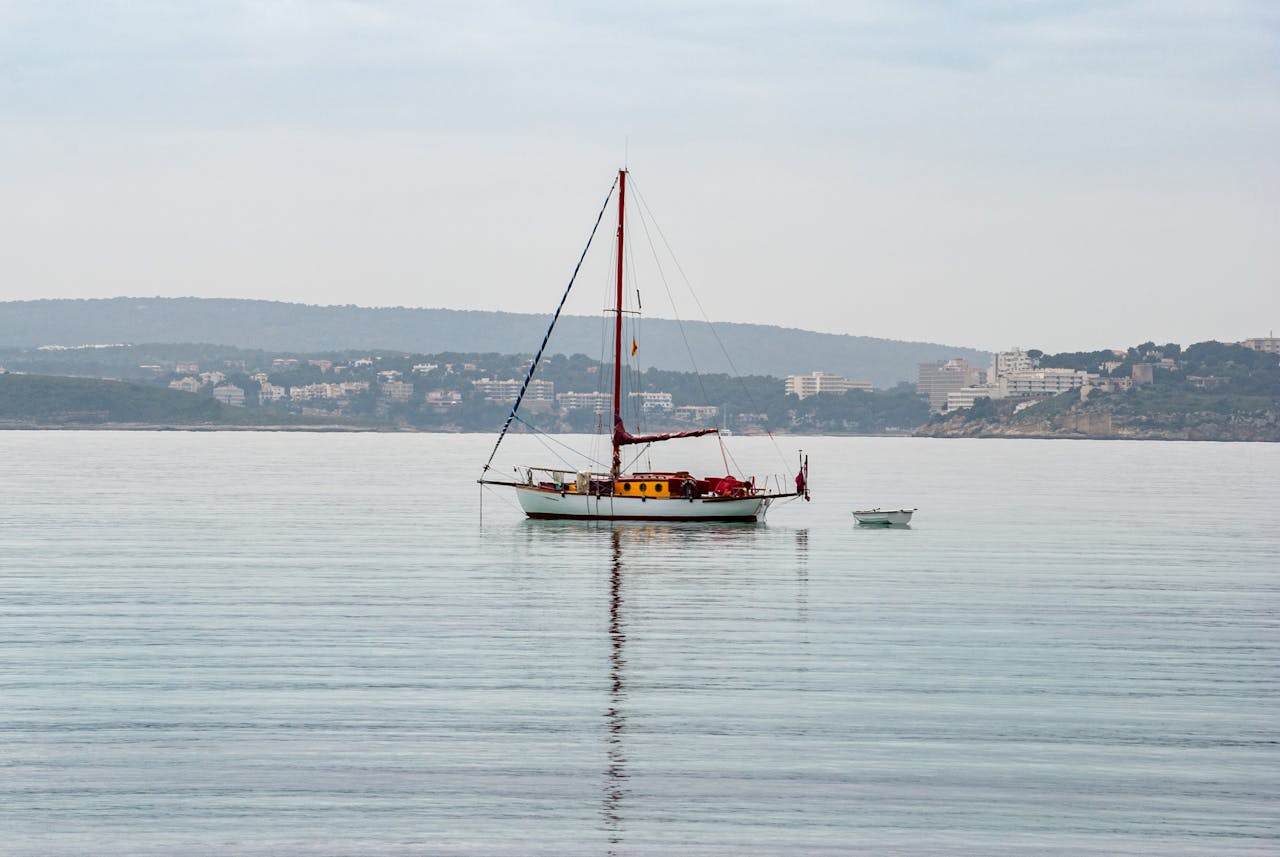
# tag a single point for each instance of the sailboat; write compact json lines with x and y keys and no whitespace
{"x":615,"y":495}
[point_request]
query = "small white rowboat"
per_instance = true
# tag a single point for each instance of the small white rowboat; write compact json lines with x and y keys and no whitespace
{"x":883,"y":517}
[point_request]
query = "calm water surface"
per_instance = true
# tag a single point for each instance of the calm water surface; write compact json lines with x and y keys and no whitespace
{"x":298,"y":644}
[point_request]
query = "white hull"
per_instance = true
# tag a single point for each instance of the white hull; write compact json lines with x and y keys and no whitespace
{"x":541,"y":503}
{"x":884,"y":518}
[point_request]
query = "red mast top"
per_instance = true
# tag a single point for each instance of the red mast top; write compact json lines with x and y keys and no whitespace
{"x":617,"y":330}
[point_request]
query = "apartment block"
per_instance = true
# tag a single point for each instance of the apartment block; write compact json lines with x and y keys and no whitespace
{"x":397,"y":391}
{"x":1041,"y":382}
{"x":1003,"y":362}
{"x":599,"y":403}
{"x":1269,"y":344}
{"x":937,"y":380}
{"x":506,"y":391}
{"x":653,"y":402}
{"x":803,"y":386}
{"x":229,"y":394}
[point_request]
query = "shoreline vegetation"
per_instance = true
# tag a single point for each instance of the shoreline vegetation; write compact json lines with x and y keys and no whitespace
{"x":1211,"y":391}
{"x":57,"y":402}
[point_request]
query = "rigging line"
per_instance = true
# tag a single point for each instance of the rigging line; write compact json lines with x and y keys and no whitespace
{"x":715,"y":333}
{"x":643,"y":450}
{"x":554,"y":319}
{"x":600,"y":431}
{"x":500,"y":495}
{"x":662,"y":274}
{"x":728,"y":456}
{"x":784,"y":500}
{"x":546,"y":440}
{"x":738,"y":467}
{"x":604,"y":416}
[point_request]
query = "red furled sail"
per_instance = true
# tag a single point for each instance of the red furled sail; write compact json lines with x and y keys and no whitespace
{"x":622,"y":437}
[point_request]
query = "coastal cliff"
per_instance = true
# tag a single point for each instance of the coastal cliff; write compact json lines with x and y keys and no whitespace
{"x":1210,"y":391}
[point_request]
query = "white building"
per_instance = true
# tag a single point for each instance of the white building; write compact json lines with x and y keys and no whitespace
{"x":498,"y":391}
{"x":1041,"y":382}
{"x":444,"y":398}
{"x":700,"y":414}
{"x":397,"y":391}
{"x":1003,"y":362}
{"x":212,"y":378}
{"x":186,"y":385}
{"x":599,"y":403}
{"x":803,"y":386}
{"x":326,"y":391}
{"x":1269,"y":344}
{"x":424,"y":368}
{"x":965,"y":397}
{"x":268,"y":392}
{"x":938,"y":380}
{"x":506,"y":391}
{"x":229,"y":394}
{"x":653,"y":402}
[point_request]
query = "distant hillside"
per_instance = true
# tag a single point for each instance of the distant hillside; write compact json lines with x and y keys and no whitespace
{"x":44,"y":400}
{"x":754,"y":349}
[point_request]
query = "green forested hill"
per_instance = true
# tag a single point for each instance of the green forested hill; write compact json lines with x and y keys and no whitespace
{"x":754,"y":349}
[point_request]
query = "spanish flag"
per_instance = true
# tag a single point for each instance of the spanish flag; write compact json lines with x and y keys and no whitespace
{"x":634,"y":348}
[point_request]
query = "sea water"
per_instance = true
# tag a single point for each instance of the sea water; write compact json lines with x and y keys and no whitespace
{"x":322,"y":644}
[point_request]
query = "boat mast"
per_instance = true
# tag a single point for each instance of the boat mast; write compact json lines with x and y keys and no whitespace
{"x":616,"y":470}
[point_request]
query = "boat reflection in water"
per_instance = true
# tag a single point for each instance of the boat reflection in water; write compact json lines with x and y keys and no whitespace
{"x":616,"y":720}
{"x":643,"y":538}
{"x":651,"y":567}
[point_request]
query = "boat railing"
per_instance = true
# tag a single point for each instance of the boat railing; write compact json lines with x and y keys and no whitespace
{"x":777,"y":485}
{"x":599,"y":483}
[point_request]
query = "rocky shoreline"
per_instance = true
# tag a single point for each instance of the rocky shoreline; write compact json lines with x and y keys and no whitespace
{"x":1085,"y":424}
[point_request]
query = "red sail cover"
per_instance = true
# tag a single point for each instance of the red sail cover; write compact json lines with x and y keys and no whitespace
{"x":622,"y":437}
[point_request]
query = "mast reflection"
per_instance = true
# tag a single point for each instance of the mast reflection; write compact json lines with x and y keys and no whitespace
{"x":615,"y":719}
{"x":802,"y":574}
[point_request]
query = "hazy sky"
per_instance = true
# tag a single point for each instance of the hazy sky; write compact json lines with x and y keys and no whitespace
{"x":1047,"y":174}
